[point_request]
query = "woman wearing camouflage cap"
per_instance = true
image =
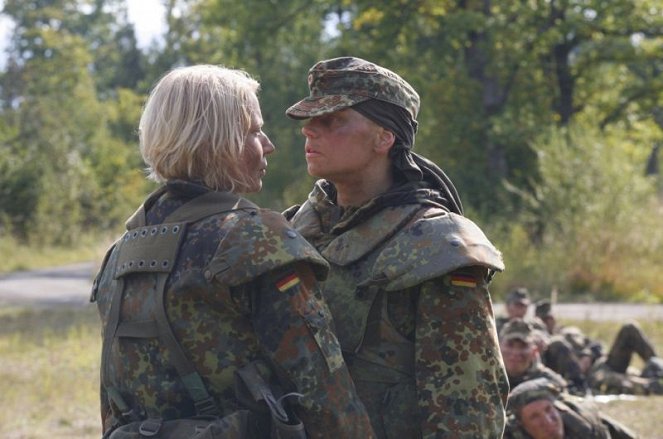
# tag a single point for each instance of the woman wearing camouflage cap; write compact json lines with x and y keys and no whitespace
{"x":207,"y":299}
{"x":409,"y":273}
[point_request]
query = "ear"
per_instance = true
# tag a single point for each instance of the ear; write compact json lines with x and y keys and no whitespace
{"x":385,"y":140}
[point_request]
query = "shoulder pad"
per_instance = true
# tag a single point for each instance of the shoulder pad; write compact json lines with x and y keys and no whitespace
{"x":291,"y":211}
{"x":436,"y":244}
{"x":257,"y":242}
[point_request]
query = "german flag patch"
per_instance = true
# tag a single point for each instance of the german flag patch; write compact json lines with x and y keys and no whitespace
{"x":287,"y":282}
{"x":459,"y":280}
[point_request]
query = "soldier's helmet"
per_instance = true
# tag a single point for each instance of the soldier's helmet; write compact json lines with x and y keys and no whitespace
{"x":530,"y":391}
{"x":517,"y":329}
{"x":339,"y":83}
{"x":543,"y":309}
{"x":519,"y":295}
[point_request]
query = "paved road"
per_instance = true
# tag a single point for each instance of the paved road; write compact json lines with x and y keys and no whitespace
{"x":70,"y":286}
{"x":62,"y":286}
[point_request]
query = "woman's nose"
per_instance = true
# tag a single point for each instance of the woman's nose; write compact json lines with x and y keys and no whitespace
{"x":267,"y":146}
{"x":308,"y":130}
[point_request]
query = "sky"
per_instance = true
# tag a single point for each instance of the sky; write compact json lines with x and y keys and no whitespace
{"x":146,"y":15}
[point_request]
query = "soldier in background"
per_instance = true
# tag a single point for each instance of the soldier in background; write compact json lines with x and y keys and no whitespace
{"x":516,"y":306}
{"x":582,"y":360}
{"x":521,"y":354}
{"x":408,"y":284}
{"x":206,"y":293}
{"x":539,"y":409}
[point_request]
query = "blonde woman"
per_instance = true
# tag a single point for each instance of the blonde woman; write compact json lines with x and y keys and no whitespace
{"x":209,"y":304}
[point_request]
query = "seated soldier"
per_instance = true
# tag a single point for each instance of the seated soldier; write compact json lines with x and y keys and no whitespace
{"x":521,"y":354}
{"x":539,"y":409}
{"x":581,"y":361}
{"x":516,"y":305}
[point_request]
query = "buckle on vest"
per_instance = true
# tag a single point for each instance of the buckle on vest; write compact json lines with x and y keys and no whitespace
{"x":207,"y":407}
{"x":150,"y":427}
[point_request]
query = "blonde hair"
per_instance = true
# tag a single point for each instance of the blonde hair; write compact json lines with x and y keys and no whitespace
{"x":194,"y":125}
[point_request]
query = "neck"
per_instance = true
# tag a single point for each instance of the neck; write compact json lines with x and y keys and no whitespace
{"x":358,"y":191}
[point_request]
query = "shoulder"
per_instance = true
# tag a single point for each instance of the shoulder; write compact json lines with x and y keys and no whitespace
{"x":257,"y":241}
{"x":436,"y":243}
{"x":539,"y":370}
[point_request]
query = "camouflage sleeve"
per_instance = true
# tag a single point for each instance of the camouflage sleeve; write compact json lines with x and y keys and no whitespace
{"x":294,"y":328}
{"x":461,"y":381}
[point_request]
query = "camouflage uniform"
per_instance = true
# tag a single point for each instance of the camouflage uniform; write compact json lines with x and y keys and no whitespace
{"x":520,"y":295}
{"x":408,"y":292}
{"x":520,"y":329}
{"x":241,"y":288}
{"x":609,"y":374}
{"x":581,"y":417}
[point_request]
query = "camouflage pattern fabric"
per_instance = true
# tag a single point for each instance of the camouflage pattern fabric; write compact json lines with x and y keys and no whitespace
{"x":581,"y":416}
{"x":563,"y":359}
{"x":538,"y":370}
{"x":340,"y":83}
{"x":609,"y":374}
{"x":535,"y":322}
{"x":408,"y":292}
{"x":241,"y":290}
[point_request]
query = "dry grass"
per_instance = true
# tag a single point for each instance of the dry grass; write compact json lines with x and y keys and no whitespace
{"x":49,"y":366}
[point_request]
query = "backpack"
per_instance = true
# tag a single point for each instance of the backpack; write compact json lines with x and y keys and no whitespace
{"x":267,"y":415}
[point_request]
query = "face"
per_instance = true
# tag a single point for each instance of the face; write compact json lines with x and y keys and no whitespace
{"x":256,"y":147}
{"x":541,"y":420}
{"x":516,"y":310}
{"x":340,"y":145}
{"x":518,"y":356}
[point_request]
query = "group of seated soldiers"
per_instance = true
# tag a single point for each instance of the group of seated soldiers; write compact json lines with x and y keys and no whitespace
{"x":554,"y":370}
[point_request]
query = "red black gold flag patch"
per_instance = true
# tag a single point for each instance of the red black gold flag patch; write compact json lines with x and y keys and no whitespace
{"x":287,"y":282}
{"x":460,"y":280}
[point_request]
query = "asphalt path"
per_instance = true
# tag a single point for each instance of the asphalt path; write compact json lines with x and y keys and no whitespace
{"x":70,"y":286}
{"x":67,"y":285}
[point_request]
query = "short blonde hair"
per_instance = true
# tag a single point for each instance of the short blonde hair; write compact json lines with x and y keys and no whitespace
{"x":194,"y":125}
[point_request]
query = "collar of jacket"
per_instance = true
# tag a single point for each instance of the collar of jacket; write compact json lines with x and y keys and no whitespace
{"x":351,"y":239}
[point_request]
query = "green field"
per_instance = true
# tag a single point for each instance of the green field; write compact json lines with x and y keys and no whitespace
{"x":49,"y":366}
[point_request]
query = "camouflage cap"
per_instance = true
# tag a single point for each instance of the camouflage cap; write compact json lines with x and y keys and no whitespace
{"x":340,"y":83}
{"x":517,"y":329}
{"x":543,"y":308}
{"x":519,"y":295}
{"x":530,"y":391}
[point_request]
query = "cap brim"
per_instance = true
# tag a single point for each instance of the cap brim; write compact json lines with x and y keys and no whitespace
{"x":312,"y":107}
{"x":523,"y":338}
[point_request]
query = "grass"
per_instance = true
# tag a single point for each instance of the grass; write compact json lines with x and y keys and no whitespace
{"x":17,"y":256}
{"x":49,"y":375}
{"x":49,"y":367}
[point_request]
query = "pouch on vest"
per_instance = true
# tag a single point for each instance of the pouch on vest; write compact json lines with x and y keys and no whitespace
{"x":234,"y":426}
{"x":253,"y":391}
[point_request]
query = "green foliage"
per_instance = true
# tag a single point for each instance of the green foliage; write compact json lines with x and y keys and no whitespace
{"x":567,"y":207}
{"x":590,"y":225}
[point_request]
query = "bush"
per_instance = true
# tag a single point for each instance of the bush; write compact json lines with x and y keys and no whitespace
{"x":592,"y":223}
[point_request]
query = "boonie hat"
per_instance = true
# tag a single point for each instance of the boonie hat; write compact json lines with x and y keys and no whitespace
{"x":519,"y":295}
{"x":340,"y":83}
{"x":517,"y":329}
{"x":530,"y":391}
